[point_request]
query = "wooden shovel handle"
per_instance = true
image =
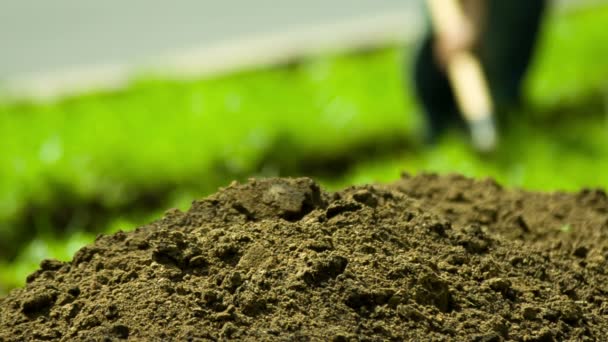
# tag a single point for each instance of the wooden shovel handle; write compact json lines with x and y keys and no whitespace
{"x":466,"y":77}
{"x":470,"y":86}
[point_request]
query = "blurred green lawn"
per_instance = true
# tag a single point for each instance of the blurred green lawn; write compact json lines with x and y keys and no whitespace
{"x":179,"y":140}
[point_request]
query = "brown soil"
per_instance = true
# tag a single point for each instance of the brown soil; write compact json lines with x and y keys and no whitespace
{"x":425,"y":258}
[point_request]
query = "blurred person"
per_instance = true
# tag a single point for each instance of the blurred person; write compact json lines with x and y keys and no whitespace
{"x":500,"y":33}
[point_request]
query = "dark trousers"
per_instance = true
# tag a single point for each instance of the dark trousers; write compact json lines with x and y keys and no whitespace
{"x":505,"y":50}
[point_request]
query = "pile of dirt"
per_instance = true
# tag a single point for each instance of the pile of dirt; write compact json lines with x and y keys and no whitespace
{"x":425,"y":258}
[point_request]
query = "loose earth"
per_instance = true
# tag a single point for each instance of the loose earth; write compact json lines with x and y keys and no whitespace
{"x":425,"y":258}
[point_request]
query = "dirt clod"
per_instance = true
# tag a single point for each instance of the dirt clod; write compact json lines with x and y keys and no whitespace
{"x":428,"y":257}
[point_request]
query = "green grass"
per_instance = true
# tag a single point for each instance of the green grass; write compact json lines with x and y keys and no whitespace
{"x":104,"y":146}
{"x":160,"y":135}
{"x":184,"y":139}
{"x":529,"y":158}
{"x":571,"y":61}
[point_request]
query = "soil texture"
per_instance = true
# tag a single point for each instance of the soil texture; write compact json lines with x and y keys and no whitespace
{"x":429,"y":257}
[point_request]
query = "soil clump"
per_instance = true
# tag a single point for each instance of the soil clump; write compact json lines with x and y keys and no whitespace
{"x":425,"y":258}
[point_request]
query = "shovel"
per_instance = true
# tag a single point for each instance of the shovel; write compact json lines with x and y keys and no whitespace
{"x":467,"y":80}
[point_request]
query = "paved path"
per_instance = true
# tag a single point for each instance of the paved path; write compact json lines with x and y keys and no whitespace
{"x":41,"y":36}
{"x":54,"y":46}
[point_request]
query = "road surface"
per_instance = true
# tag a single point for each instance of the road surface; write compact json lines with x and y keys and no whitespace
{"x":50,"y":47}
{"x":41,"y":36}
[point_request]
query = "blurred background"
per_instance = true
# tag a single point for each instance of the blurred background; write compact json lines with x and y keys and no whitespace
{"x":113,"y":111}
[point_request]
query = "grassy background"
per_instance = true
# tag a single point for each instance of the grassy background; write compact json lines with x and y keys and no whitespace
{"x":109,"y":161}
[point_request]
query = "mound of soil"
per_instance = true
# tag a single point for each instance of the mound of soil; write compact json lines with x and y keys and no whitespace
{"x":425,"y":258}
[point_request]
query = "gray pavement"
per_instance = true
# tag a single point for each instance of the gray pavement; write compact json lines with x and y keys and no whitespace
{"x":41,"y":36}
{"x":49,"y":48}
